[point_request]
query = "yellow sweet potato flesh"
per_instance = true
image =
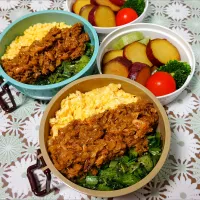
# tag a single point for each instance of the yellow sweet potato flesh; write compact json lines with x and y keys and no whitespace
{"x":111,"y":55}
{"x":136,"y":52}
{"x":104,"y":17}
{"x":164,"y":51}
{"x":78,"y":5}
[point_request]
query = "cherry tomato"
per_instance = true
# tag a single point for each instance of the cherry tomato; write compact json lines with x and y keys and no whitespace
{"x":161,"y":83}
{"x":125,"y":16}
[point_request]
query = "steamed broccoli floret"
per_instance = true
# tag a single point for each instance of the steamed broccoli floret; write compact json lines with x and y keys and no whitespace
{"x":137,"y":5}
{"x":179,"y":70}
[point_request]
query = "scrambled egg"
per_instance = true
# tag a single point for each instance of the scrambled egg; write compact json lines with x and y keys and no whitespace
{"x":83,"y":105}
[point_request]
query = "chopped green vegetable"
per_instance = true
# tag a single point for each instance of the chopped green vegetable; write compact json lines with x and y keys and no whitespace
{"x":147,"y":162}
{"x":140,"y":172}
{"x":137,"y":5}
{"x":179,"y":70}
{"x":132,"y":166}
{"x":81,"y":181}
{"x":108,"y":174}
{"x":105,"y":166}
{"x":155,"y":151}
{"x":128,"y":179}
{"x":91,"y":180}
{"x":89,"y":50}
{"x":81,"y":64}
{"x":154,"y":140}
{"x":103,"y":187}
{"x":144,"y":41}
{"x":155,"y":144}
{"x":155,"y":159}
{"x":127,"y":39}
{"x":133,"y":153}
{"x":124,"y":159}
{"x":122,"y":167}
{"x":113,"y":163}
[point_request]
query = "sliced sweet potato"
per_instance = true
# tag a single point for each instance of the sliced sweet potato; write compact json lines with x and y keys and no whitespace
{"x":160,"y":51}
{"x":78,"y":5}
{"x":118,"y":2}
{"x":91,"y":16}
{"x":136,"y":52}
{"x":143,"y":75}
{"x":111,"y":55}
{"x":135,"y":69}
{"x":93,"y":2}
{"x":118,"y":66}
{"x":102,"y":16}
{"x":85,"y":10}
{"x":139,"y":72}
{"x":109,"y":4}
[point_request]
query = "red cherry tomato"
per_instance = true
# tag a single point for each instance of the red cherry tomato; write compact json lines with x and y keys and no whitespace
{"x":161,"y":83}
{"x":125,"y":16}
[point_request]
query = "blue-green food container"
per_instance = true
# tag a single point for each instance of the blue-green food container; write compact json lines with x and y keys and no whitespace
{"x":17,"y":28}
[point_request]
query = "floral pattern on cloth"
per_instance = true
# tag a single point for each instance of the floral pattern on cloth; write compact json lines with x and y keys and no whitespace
{"x":180,"y":176}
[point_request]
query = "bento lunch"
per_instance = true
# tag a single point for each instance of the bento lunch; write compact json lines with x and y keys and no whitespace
{"x":105,"y":139}
{"x":47,"y":53}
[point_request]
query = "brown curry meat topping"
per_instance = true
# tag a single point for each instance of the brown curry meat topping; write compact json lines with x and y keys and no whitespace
{"x":84,"y":146}
{"x":43,"y":57}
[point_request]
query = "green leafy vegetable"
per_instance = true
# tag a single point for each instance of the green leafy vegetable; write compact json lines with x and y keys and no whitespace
{"x":81,"y":181}
{"x":155,"y":151}
{"x":140,"y":172}
{"x":108,"y":174}
{"x":89,"y":50}
{"x":154,"y":140}
{"x":113,"y":163}
{"x":155,"y":147}
{"x":81,"y":64}
{"x":132,"y":166}
{"x":179,"y":70}
{"x":103,"y":187}
{"x":124,"y":159}
{"x":155,"y":159}
{"x":147,"y":162}
{"x":91,"y":180}
{"x":128,"y":179}
{"x":133,"y":153}
{"x":137,"y":5}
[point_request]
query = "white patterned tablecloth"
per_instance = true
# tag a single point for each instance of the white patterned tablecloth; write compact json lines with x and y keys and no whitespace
{"x":180,"y":176}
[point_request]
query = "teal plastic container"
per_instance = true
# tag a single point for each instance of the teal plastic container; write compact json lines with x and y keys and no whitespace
{"x":17,"y":28}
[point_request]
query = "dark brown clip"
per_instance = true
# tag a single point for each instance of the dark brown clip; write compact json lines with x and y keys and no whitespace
{"x":31,"y":177}
{"x":6,"y":90}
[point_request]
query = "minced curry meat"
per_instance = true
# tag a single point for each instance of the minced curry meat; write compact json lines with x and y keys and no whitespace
{"x":84,"y":146}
